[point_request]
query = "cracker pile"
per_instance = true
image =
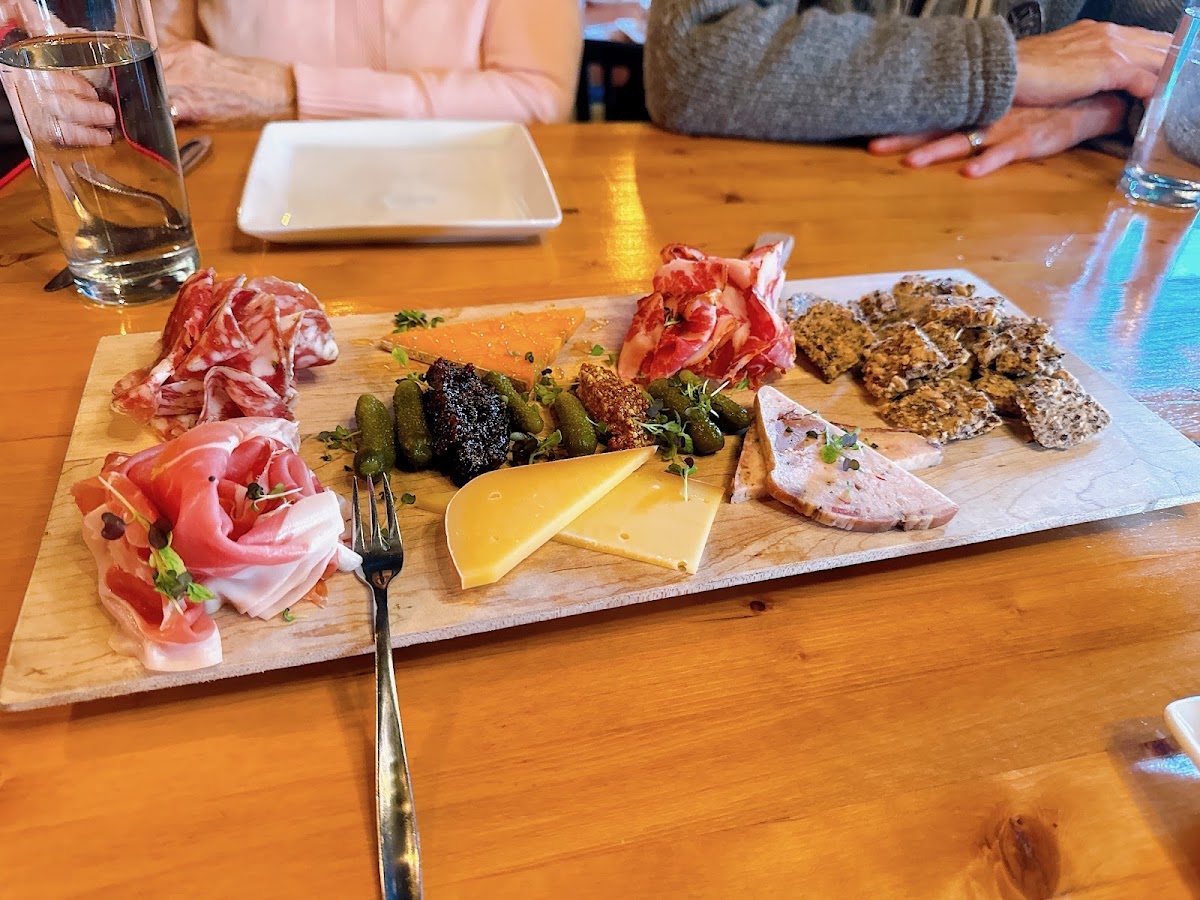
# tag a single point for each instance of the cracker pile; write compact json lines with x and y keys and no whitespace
{"x":946,"y":363}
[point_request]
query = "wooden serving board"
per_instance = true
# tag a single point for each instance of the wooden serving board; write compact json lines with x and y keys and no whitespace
{"x":1004,"y":485}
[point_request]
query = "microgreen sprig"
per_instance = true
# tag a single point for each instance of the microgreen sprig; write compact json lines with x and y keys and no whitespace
{"x":528,"y":449}
{"x":688,"y":467}
{"x":836,"y":445}
{"x":171,"y":577}
{"x":340,"y":438}
{"x":411,"y":318}
{"x":256,"y":493}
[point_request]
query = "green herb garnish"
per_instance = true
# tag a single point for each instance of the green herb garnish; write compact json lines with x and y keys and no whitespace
{"x":742,"y":385}
{"x":256,"y":493}
{"x":529,"y":356}
{"x":400,"y":355}
{"x":171,"y":577}
{"x":340,"y":438}
{"x":411,"y":318}
{"x":687,"y":468}
{"x":407,"y":499}
{"x":596,"y":350}
{"x":611,"y":358}
{"x":836,"y":445}
{"x":287,"y":615}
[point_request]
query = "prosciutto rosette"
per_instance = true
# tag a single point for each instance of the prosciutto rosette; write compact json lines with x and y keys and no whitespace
{"x":230,"y":348}
{"x":226,"y":513}
{"x":714,"y":316}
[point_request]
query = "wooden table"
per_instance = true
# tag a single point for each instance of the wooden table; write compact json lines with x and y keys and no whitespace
{"x":984,"y":722}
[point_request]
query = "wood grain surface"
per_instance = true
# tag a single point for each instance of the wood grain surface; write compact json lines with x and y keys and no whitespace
{"x":983,"y":721}
{"x":1004,"y":485}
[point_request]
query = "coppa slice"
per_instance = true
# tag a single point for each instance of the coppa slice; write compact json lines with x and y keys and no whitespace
{"x":875,"y":496}
{"x":907,"y":450}
{"x":518,"y":345}
{"x":501,"y":517}
{"x":645,"y":518}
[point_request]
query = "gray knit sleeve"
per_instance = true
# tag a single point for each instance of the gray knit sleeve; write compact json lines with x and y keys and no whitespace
{"x":768,"y":69}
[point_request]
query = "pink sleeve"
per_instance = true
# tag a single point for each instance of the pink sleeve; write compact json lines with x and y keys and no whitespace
{"x":529,"y":67}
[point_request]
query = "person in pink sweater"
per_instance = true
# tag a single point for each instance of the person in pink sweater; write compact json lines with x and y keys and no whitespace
{"x":229,"y":61}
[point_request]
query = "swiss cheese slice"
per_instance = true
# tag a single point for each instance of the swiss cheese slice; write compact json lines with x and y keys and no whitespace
{"x":518,"y":345}
{"x":501,"y":517}
{"x":645,"y":518}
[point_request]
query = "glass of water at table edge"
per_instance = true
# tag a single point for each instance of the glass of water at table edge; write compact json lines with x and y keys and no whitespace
{"x":87,"y":90}
{"x":1164,"y":167}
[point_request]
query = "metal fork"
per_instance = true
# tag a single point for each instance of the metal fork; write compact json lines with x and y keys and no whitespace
{"x":399,"y":843}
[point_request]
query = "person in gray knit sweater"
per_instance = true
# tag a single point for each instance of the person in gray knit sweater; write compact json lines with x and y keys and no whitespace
{"x":994,"y":80}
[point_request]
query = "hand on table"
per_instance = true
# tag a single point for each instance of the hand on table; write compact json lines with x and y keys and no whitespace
{"x":206,"y":86}
{"x":1024,"y":133}
{"x":1088,"y":58}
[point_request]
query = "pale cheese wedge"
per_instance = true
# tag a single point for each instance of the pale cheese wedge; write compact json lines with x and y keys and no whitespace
{"x":499,"y":518}
{"x":644,"y":518}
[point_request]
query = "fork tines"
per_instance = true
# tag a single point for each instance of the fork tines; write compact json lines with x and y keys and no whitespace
{"x":379,"y":541}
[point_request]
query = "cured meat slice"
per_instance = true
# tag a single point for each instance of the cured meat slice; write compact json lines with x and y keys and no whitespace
{"x":257,"y":333}
{"x":907,"y":450}
{"x":715,"y":316}
{"x":245,"y":514}
{"x":855,"y":487}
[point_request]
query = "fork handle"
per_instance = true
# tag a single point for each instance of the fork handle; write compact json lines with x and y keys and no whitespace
{"x":399,"y":844}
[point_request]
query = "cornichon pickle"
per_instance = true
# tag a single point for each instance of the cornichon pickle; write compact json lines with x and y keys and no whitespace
{"x":706,"y":436}
{"x":524,"y":416}
{"x":369,"y":462}
{"x":578,"y":434}
{"x":732,"y":417}
{"x":414,"y":443}
{"x":375,"y":436}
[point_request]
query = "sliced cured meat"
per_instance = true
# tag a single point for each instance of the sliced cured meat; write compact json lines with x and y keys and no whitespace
{"x":256,"y":333}
{"x":907,"y":450}
{"x":715,"y":316}
{"x":245,"y":514}
{"x":855,"y":488}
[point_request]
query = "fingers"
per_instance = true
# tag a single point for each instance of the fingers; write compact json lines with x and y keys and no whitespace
{"x":953,"y":146}
{"x":903,"y":143}
{"x":993,"y":158}
{"x":1041,"y":133}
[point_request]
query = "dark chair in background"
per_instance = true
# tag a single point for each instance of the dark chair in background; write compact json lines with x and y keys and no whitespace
{"x":611,"y":78}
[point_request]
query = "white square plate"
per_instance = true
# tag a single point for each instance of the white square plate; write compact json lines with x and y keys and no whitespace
{"x":402,"y":180}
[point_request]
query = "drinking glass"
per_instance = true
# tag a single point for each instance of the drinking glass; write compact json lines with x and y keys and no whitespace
{"x":87,"y":91}
{"x":1164,"y":167}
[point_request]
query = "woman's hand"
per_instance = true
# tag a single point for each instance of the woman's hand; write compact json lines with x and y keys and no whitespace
{"x":62,"y":109}
{"x":1025,"y":133}
{"x":206,"y":86}
{"x":1088,"y":58}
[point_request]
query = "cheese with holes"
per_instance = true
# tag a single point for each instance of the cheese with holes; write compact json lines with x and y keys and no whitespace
{"x":645,"y":518}
{"x":499,"y":518}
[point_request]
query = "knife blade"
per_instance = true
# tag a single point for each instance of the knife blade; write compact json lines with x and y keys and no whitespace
{"x":190,"y":156}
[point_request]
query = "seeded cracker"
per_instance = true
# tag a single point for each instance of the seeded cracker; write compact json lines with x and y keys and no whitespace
{"x":945,"y":339}
{"x":1060,"y":412}
{"x":966,"y":312}
{"x":947,"y":410}
{"x":915,"y":295}
{"x":895,"y":364}
{"x":1019,"y":347}
{"x":877,"y":309}
{"x":1001,"y":390}
{"x":831,"y":337}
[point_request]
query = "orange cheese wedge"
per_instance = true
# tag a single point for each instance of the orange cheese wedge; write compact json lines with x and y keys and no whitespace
{"x":518,"y":345}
